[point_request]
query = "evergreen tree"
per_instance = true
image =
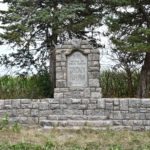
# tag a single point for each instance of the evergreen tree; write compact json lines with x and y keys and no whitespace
{"x":34,"y":27}
{"x":129,"y":25}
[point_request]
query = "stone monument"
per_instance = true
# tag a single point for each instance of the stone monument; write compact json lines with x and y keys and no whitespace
{"x":77,"y":70}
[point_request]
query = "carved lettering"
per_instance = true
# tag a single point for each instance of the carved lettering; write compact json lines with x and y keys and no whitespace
{"x":77,"y":70}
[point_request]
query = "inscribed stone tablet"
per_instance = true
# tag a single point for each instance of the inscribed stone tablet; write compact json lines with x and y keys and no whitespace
{"x":77,"y":70}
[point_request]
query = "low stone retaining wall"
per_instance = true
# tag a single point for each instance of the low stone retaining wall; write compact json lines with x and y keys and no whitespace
{"x":115,"y":113}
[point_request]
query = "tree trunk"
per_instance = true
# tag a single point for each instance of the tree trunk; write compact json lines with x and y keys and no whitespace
{"x":130,"y":83}
{"x":53,"y":68}
{"x":51,"y":41}
{"x":144,"y":83}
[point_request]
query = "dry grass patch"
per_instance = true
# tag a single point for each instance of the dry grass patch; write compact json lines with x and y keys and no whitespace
{"x":83,"y":139}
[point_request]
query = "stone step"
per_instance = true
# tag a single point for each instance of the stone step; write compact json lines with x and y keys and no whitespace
{"x":76,"y":123}
{"x":76,"y":117}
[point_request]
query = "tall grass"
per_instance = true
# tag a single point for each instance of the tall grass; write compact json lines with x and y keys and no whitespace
{"x":113,"y":84}
{"x":37,"y":86}
{"x":118,"y":84}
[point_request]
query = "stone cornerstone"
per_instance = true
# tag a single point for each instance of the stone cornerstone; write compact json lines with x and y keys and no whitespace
{"x":77,"y":70}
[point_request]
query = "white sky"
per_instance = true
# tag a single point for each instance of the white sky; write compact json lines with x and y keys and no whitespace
{"x":105,"y":60}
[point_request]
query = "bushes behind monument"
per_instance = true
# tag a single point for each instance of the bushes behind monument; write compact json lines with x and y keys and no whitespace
{"x":113,"y":84}
{"x":36,"y":86}
{"x":118,"y":83}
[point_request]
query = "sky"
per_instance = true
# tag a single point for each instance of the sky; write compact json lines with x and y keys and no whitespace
{"x":106,"y":59}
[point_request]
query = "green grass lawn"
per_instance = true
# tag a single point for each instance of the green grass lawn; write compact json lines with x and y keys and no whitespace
{"x":82,"y":139}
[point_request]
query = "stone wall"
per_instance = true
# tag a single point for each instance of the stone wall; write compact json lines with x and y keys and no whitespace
{"x":114,"y":113}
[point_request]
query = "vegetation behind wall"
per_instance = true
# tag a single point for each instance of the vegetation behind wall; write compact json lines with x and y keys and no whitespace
{"x":113,"y":84}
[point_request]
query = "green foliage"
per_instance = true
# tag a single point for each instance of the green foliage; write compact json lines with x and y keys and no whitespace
{"x":37,"y":86}
{"x":16,"y":127}
{"x":35,"y":27}
{"x":115,"y":83}
{"x":4,"y":123}
{"x":115,"y":147}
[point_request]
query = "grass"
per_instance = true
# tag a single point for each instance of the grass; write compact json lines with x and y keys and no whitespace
{"x":83,"y":139}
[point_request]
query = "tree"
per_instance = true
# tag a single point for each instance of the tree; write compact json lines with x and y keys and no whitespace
{"x":130,"y":62}
{"x":34,"y":27}
{"x":129,"y":25}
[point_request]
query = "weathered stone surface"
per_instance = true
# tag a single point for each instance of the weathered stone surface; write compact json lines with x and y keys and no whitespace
{"x":87,"y":93}
{"x":58,"y":95}
{"x":80,"y":112}
{"x":16,"y":104}
{"x":94,"y":82}
{"x":76,"y":101}
{"x":124,"y":105}
{"x":95,"y":95}
{"x":77,"y":67}
{"x":43,"y":106}
{"x":77,"y":70}
{"x":34,"y":113}
{"x":61,"y":83}
{"x":1,"y":104}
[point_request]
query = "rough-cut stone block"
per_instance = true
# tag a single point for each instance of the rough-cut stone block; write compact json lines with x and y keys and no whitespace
{"x":58,"y":64}
{"x":146,"y":122}
{"x":124,"y":105}
{"x":35,"y":104}
{"x":116,"y":102}
{"x":83,"y":106}
{"x":135,"y":103}
{"x":16,"y":104}
{"x":58,"y":69}
{"x":93,"y":69}
{"x":117,"y":122}
{"x":117,"y":115}
{"x":92,"y":106}
{"x":76,"y":101}
{"x":143,"y":110}
{"x":55,"y":106}
{"x":147,"y":116}
{"x":145,"y":103}
{"x":72,"y":112}
{"x":85,"y":101}
{"x":129,"y":116}
{"x":44,"y":106}
{"x":93,"y":82}
{"x":87,"y":92}
{"x":101,"y":104}
{"x":25,"y":101}
{"x":63,"y":63}
{"x":95,"y":57}
{"x":45,"y":113}
{"x":34,"y":113}
{"x":26,"y":106}
{"x":59,"y":75}
{"x":86,"y":51}
{"x":7,"y":102}
{"x":61,"y":83}
{"x":95,"y":94}
{"x":58,"y":57}
{"x":139,"y":116}
{"x":67,"y":47}
{"x":109,"y":106}
{"x":58,"y":95}
{"x":26,"y":112}
{"x":134,"y":110}
{"x":1,"y":104}
{"x":138,"y":128}
{"x":86,"y":46}
{"x":7,"y":106}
